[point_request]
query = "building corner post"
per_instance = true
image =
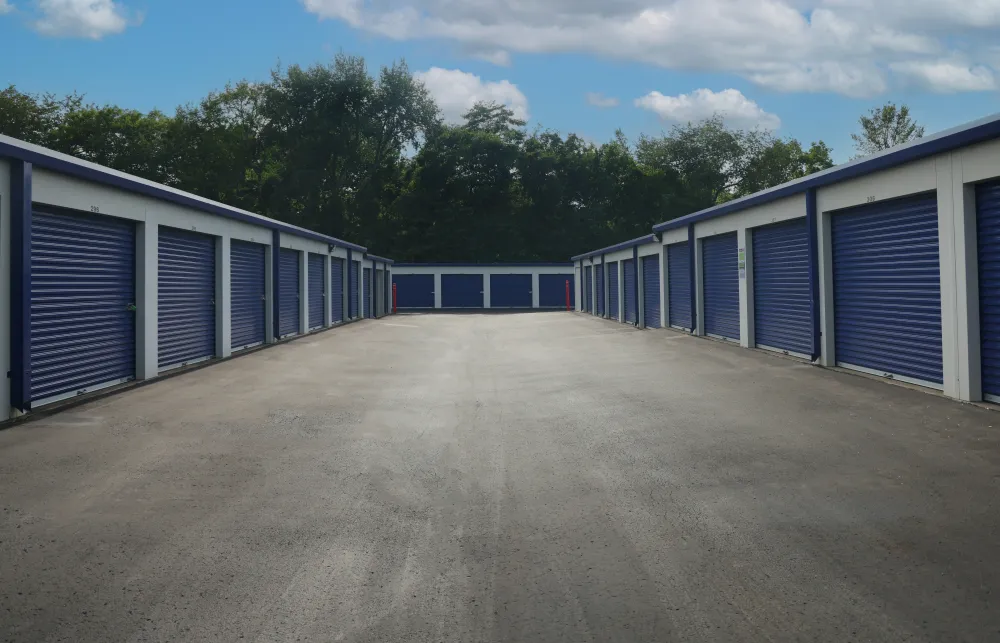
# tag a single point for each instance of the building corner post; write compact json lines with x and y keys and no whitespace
{"x":20,"y":286}
{"x":813,"y":249}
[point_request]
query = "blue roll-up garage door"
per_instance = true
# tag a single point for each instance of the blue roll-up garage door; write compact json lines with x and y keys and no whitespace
{"x":248,"y":305}
{"x":782,"y":308}
{"x":651,"y":291}
{"x":379,"y":293}
{"x":589,"y":284}
{"x":679,"y":284}
{"x":354,"y":293}
{"x":614,"y":303}
{"x":186,"y":301}
{"x":552,"y":291}
{"x":510,"y":291}
{"x":336,"y":289}
{"x":988,"y":229}
{"x":720,"y":267}
{"x":317,"y":290}
{"x":289,"y":313}
{"x":461,"y":291}
{"x":368,"y":292}
{"x":600,"y":289}
{"x":887,"y":289}
{"x":414,"y":291}
{"x":628,"y":268}
{"x":82,"y":304}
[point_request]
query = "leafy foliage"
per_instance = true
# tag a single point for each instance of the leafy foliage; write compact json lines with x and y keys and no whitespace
{"x":368,"y":158}
{"x":884,"y":127}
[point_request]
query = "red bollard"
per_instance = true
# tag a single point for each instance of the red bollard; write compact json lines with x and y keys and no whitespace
{"x":393,"y":299}
{"x":568,"y":307}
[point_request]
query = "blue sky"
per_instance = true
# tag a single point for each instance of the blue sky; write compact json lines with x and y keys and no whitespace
{"x":805,"y":68}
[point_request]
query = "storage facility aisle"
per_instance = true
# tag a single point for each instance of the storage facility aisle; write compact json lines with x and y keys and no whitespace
{"x":521,"y":477}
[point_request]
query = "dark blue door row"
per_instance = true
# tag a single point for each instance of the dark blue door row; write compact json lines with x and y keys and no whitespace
{"x":248,"y":303}
{"x":510,"y":291}
{"x":628,"y":268}
{"x":368,"y":292}
{"x":317,"y":290}
{"x":82,"y":304}
{"x":288,"y":299}
{"x":414,"y":291}
{"x":782,"y":302}
{"x":988,"y":230}
{"x":336,"y":289}
{"x":588,"y":296}
{"x":720,"y":268}
{"x":552,"y":291}
{"x":462,"y":291}
{"x":600,"y":289}
{"x":679,"y":285}
{"x":186,"y":300}
{"x":887,"y":288}
{"x":614,"y":304}
{"x":651,"y":291}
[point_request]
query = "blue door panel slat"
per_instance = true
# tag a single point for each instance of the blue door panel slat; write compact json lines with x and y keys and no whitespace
{"x":628,"y":268}
{"x":414,"y":291}
{"x":720,"y":270}
{"x":614,"y":303}
{"x":782,"y":308}
{"x":651,"y":291}
{"x":248,"y":308}
{"x":462,"y":291}
{"x":317,"y":290}
{"x":510,"y":291}
{"x":336,"y":289}
{"x":289,"y":312}
{"x":367,"y":294}
{"x":186,"y":300}
{"x":887,"y":288}
{"x":552,"y":291}
{"x":679,"y":284}
{"x":82,"y":286}
{"x":988,"y":231}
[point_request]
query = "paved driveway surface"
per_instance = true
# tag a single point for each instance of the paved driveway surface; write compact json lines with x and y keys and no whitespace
{"x":525,"y":477}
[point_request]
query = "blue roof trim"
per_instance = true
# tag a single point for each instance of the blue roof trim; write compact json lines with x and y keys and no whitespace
{"x":381,"y":259}
{"x":624,"y":245}
{"x":41,"y":157}
{"x":527,"y":264}
{"x":975,"y":132}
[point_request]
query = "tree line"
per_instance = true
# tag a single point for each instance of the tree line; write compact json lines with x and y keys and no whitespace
{"x":368,"y":158}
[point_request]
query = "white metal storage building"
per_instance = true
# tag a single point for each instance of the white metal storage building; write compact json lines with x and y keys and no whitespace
{"x":467,"y":286}
{"x":888,"y":265}
{"x":112,"y":278}
{"x":623,"y":282}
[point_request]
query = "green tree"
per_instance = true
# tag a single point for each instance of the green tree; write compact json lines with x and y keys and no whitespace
{"x":885,"y":127}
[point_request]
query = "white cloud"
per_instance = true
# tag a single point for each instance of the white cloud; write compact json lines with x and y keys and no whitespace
{"x":600,"y":100}
{"x":947,"y":77}
{"x":498,"y":57}
{"x":5,"y":7}
{"x":457,"y":91}
{"x":736,"y":109}
{"x":847,"y":46}
{"x":81,"y":18}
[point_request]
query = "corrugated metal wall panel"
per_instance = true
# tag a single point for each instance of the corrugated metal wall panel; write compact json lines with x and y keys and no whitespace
{"x":368,"y":292}
{"x":679,"y":284}
{"x":988,"y":229}
{"x":552,"y":291}
{"x":510,"y":291}
{"x":782,"y":309}
{"x":355,"y":292}
{"x":414,"y":291}
{"x":589,"y":283}
{"x":887,"y":288}
{"x":628,"y":268}
{"x":248,"y":290}
{"x":317,"y":290}
{"x":462,"y":291}
{"x":651,"y":290}
{"x":337,"y":289}
{"x":614,"y":303}
{"x":600,"y":289}
{"x":82,"y":304}
{"x":289,"y":315}
{"x":186,"y":284}
{"x":720,"y":267}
